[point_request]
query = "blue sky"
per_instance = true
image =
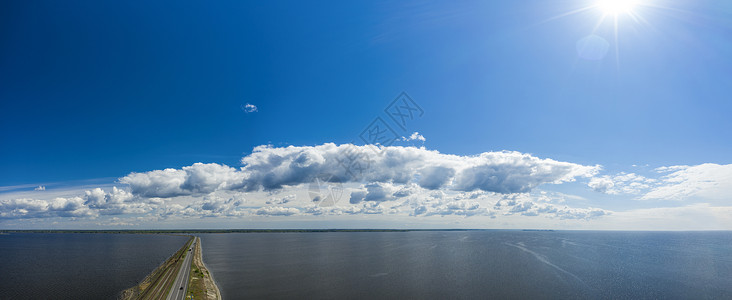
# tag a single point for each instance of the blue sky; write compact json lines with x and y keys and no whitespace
{"x":95,"y":90}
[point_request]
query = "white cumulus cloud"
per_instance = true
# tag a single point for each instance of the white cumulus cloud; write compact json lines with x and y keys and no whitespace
{"x":196,"y":179}
{"x":31,"y":208}
{"x":500,"y":172}
{"x":277,"y":211}
{"x":270,"y":168}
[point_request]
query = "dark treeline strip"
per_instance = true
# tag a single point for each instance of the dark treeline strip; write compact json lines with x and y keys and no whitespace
{"x":194,"y":231}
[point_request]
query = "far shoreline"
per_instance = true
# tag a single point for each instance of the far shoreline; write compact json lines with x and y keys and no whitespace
{"x":200,"y":231}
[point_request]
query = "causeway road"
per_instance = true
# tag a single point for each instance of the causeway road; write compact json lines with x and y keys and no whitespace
{"x":180,"y":285}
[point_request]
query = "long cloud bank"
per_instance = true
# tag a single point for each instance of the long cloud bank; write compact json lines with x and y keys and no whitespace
{"x":407,"y":181}
{"x":269,"y":168}
{"x":384,"y":175}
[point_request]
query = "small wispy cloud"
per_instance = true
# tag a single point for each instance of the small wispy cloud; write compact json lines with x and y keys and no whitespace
{"x":706,"y":181}
{"x":40,"y":188}
{"x":414,"y":137}
{"x":249,"y":108}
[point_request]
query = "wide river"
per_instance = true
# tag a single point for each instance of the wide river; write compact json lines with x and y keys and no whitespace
{"x":471,"y":265}
{"x":79,"y":266}
{"x":384,"y":265}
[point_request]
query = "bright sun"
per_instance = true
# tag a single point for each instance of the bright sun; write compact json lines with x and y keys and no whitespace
{"x":616,"y":7}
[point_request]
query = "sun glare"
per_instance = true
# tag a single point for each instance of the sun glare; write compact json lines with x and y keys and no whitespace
{"x":615,"y":7}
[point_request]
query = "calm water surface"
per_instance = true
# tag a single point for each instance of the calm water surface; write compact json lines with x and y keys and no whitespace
{"x":473,"y":264}
{"x":79,"y":266}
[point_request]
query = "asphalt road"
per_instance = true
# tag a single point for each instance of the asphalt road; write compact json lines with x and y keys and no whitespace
{"x":181,"y":280}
